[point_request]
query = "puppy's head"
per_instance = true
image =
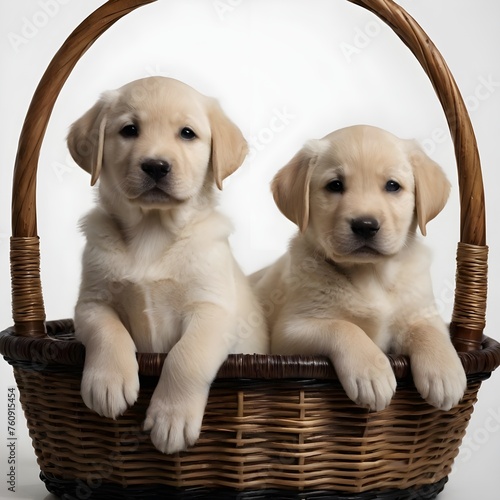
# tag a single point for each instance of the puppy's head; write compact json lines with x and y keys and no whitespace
{"x":157,"y":142}
{"x":359,"y":193}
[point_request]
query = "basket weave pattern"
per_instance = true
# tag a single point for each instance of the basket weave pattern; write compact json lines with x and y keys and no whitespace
{"x":271,"y":435}
{"x":286,"y":426}
{"x":275,"y":426}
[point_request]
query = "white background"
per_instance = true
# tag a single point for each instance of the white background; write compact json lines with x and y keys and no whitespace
{"x":322,"y":64}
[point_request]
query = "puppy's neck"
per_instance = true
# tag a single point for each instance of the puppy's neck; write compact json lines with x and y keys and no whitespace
{"x":159,"y":227}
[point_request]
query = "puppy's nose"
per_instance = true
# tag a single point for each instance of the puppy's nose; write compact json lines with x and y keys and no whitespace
{"x":156,"y":169}
{"x":366,"y":227}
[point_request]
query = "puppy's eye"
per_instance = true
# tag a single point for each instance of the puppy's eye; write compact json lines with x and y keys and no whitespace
{"x":129,"y":131}
{"x":392,"y":186}
{"x":335,"y":186}
{"x":187,"y":134}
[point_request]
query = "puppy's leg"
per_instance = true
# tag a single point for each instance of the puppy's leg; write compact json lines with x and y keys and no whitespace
{"x":436,"y":368}
{"x":110,"y":382}
{"x":363,"y":369}
{"x":176,"y":409}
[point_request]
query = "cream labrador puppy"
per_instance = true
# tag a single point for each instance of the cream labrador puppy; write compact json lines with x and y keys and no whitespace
{"x":355,"y":282}
{"x":158,"y":273}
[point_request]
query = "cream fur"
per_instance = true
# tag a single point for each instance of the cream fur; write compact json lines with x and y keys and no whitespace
{"x":352,"y":299}
{"x":158,"y":273}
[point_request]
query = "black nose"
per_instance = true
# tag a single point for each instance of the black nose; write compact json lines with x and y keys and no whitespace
{"x":156,"y":169}
{"x":366,"y":227}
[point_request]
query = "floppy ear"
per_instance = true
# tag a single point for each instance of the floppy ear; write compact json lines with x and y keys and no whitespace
{"x":432,"y":188}
{"x":229,"y":147}
{"x":86,"y":138}
{"x":290,"y":186}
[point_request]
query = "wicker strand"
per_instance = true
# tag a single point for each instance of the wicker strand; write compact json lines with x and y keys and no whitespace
{"x":469,"y":311}
{"x":27,"y":301}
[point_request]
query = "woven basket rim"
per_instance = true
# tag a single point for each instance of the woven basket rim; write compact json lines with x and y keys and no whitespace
{"x":60,"y":349}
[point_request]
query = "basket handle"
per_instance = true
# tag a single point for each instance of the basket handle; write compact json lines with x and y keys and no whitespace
{"x":469,"y":312}
{"x":470,"y":294}
{"x":27,"y":300}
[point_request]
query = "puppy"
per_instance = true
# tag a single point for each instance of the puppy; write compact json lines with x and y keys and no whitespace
{"x":355,"y":282}
{"x":158,"y":274}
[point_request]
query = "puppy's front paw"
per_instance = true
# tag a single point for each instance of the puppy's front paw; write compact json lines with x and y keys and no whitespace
{"x":369,"y":382}
{"x":175,"y":426}
{"x":110,"y":384}
{"x":441,"y":382}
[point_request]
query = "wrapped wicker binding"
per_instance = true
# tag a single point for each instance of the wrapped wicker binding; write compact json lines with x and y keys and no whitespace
{"x":275,"y":426}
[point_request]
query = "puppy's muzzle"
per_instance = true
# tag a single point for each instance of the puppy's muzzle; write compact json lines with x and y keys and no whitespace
{"x":365,"y":227}
{"x":156,"y":169}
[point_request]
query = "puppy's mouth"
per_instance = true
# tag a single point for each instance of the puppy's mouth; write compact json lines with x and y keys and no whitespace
{"x":366,"y":250}
{"x":155,"y":196}
{"x":358,"y":253}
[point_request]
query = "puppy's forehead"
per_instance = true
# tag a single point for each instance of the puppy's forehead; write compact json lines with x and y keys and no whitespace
{"x":363,"y":148}
{"x":158,"y":97}
{"x":158,"y":88}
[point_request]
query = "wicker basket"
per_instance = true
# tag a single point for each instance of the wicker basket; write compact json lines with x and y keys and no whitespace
{"x":275,"y":426}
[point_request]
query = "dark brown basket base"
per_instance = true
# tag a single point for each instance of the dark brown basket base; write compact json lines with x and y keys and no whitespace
{"x":71,"y":490}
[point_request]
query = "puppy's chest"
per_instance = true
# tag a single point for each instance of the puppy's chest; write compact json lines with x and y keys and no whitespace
{"x":368,"y":302}
{"x":145,"y":263}
{"x":151,"y":312}
{"x":151,"y":293}
{"x":367,"y":299}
